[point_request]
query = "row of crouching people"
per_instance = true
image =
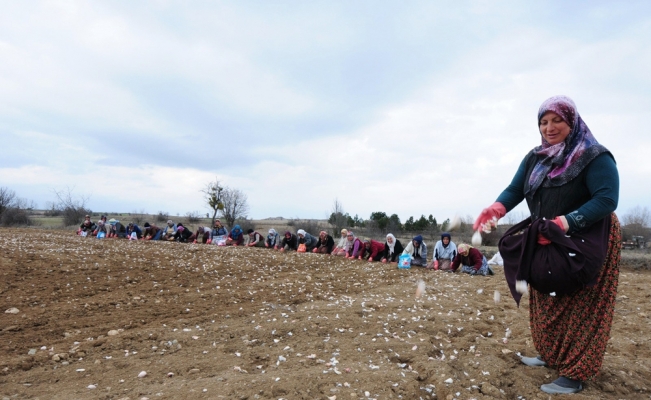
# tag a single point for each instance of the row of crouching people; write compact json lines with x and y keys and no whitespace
{"x":447,"y":256}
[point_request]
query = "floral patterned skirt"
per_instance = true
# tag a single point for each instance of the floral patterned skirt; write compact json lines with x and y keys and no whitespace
{"x":571,"y":332}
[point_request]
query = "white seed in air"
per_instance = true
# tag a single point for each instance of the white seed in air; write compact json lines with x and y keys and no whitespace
{"x":455,"y":223}
{"x":521,"y":287}
{"x":497,"y":297}
{"x":420,"y":289}
{"x":476,"y":239}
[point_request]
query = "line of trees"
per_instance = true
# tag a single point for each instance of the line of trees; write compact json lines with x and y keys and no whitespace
{"x":381,"y":222}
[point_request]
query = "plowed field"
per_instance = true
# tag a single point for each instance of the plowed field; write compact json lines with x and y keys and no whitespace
{"x":207,"y":323}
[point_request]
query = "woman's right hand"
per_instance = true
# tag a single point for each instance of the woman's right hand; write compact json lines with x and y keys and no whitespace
{"x":494,"y":211}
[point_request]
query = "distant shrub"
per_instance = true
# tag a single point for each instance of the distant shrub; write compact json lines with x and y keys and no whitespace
{"x":245,"y":224}
{"x":192,"y":216}
{"x":162,"y":216}
{"x":15,"y":216}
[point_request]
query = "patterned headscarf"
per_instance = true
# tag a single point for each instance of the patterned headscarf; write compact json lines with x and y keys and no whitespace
{"x":564,"y":161}
{"x":463,"y":248}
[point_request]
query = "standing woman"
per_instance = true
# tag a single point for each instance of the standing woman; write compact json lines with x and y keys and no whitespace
{"x":571,"y":180}
{"x":392,"y":249}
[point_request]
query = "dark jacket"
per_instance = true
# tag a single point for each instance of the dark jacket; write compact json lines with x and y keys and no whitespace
{"x":182,"y":235}
{"x":134,"y":228}
{"x":292,"y":242}
{"x":88,"y":226}
{"x":329,"y":243}
{"x":397,"y":250}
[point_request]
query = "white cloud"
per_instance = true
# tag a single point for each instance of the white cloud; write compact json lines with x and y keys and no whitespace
{"x":450,"y":142}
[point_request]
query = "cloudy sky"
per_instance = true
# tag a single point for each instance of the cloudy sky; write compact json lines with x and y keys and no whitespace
{"x":419,"y":107}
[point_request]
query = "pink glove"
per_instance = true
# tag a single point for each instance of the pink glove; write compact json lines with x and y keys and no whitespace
{"x":436,"y":264}
{"x":543,"y":241}
{"x":496,"y":210}
{"x":314,"y":250}
{"x":209,"y":241}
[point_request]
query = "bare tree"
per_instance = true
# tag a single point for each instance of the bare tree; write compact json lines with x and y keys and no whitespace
{"x":638,"y":216}
{"x":7,"y":198}
{"x":213,"y":197}
{"x":337,"y":218}
{"x":637,"y":222}
{"x":138,"y":217}
{"x":73,"y":208}
{"x":235,"y":205}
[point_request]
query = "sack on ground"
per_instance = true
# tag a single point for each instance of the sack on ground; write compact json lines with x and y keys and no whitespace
{"x":404,"y":261}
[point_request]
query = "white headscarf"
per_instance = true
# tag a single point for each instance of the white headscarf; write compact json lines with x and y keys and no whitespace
{"x":350,"y":243}
{"x":301,"y":232}
{"x":391,"y":245}
{"x":272,"y":231}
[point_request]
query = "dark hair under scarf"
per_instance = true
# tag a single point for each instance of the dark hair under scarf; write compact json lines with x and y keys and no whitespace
{"x":445,"y":235}
{"x":564,"y":161}
{"x":418,"y":239}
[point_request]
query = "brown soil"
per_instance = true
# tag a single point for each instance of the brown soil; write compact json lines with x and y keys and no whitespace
{"x":242,"y":323}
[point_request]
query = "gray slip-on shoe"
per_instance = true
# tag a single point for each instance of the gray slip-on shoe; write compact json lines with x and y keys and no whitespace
{"x":533,"y":361}
{"x":553,"y":388}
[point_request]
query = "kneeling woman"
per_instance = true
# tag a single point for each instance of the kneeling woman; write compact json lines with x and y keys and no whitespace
{"x":308,"y":240}
{"x":325,"y":243}
{"x":372,"y":250}
{"x":340,"y":250}
{"x":273,"y":240}
{"x":417,"y":249}
{"x":354,"y":246}
{"x":236,"y":237}
{"x":392,"y":249}
{"x":471,"y":260}
{"x":444,"y":252}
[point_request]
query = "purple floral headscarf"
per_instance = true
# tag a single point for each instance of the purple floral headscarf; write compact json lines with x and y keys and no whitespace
{"x":564,"y":161}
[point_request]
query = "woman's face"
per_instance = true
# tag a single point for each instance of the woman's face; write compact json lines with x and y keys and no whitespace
{"x":350,"y":238}
{"x":389,"y":240}
{"x":446,"y":240}
{"x":553,"y":129}
{"x":416,"y":244}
